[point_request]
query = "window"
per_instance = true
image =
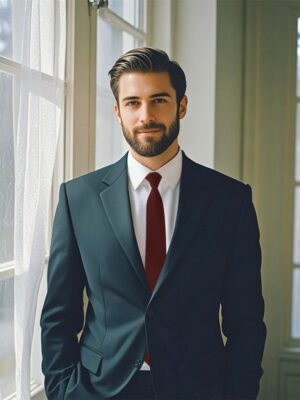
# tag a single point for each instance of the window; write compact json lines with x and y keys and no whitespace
{"x":120,"y":28}
{"x":296,"y":237}
{"x":7,"y":364}
{"x":7,"y":169}
{"x":32,"y":47}
{"x":7,"y":77}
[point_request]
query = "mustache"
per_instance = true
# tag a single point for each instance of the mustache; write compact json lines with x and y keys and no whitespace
{"x":152,"y":125}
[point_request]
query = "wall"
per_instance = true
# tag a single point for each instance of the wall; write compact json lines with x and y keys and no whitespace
{"x":268,"y":165}
{"x":188,"y":32}
{"x":229,"y":87}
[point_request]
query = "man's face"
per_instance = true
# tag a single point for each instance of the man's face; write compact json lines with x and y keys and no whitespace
{"x":148,"y":112}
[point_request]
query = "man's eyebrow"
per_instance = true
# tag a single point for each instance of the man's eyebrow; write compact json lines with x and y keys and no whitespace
{"x":160,"y":94}
{"x":130,"y":98}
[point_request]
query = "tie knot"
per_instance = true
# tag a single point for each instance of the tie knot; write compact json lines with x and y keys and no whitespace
{"x":154,"y":179}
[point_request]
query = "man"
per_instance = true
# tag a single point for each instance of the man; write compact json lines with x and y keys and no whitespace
{"x":160,"y":243}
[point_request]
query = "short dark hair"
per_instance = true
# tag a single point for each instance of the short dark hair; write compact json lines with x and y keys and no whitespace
{"x":147,"y":59}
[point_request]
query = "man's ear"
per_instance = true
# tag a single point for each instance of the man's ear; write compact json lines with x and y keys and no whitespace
{"x":183,"y":106}
{"x":117,"y":112}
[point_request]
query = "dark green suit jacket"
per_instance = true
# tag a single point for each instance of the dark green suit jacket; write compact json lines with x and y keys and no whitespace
{"x":214,"y":260}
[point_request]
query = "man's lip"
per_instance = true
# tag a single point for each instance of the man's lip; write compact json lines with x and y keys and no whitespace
{"x":149,"y":131}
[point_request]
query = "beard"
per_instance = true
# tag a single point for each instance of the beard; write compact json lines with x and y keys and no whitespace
{"x":152,"y":146}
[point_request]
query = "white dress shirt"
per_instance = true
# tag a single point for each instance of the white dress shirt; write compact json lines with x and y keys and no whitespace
{"x":139,"y":189}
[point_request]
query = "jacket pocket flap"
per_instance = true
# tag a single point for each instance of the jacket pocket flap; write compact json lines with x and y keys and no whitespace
{"x":90,"y":358}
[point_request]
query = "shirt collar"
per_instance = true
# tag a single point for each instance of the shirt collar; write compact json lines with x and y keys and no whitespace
{"x":170,"y":172}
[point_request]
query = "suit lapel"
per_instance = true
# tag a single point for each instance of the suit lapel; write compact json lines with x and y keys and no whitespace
{"x":195,"y":198}
{"x":116,"y":203}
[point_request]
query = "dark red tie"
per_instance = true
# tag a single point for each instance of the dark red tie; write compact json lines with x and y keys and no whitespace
{"x":155,"y":235}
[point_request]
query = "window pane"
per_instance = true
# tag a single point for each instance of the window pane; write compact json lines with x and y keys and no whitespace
{"x":296,"y":304}
{"x":297,"y":145}
{"x":6,"y":170}
{"x":298,"y":57}
{"x":111,"y":43}
{"x":130,"y":10}
{"x":5,"y":29}
{"x":7,"y":355}
{"x":296,"y":257}
{"x":44,"y":41}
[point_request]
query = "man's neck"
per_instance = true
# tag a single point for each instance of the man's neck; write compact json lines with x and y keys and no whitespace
{"x":156,"y":162}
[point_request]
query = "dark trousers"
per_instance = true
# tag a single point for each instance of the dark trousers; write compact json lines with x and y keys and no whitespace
{"x":139,"y":388}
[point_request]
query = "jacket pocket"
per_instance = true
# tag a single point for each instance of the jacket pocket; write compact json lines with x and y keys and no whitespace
{"x":90,"y":358}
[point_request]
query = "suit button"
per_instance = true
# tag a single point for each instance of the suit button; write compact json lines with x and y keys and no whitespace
{"x":138,"y":364}
{"x":150,"y":313}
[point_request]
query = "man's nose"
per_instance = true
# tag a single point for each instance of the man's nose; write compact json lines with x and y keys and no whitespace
{"x":147,"y":114}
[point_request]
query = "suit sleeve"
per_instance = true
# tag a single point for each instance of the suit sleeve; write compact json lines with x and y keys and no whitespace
{"x":62,"y":314}
{"x":243,"y":307}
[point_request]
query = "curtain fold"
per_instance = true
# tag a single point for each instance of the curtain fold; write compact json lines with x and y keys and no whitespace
{"x":39,"y":44}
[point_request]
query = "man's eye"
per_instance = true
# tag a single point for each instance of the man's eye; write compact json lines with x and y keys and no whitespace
{"x":159,"y":101}
{"x":132,"y":103}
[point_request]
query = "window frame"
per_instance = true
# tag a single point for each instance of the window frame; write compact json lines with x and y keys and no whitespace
{"x":120,"y":23}
{"x":7,"y":269}
{"x":292,"y":344}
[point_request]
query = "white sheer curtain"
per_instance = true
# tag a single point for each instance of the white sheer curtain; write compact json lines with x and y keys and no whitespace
{"x":40,"y":32}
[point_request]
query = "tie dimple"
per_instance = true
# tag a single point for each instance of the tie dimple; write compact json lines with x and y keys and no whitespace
{"x":154,"y":178}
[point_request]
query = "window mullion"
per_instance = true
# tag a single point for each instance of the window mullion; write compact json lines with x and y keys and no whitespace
{"x":121,"y":24}
{"x":9,"y":66}
{"x":7,"y":270}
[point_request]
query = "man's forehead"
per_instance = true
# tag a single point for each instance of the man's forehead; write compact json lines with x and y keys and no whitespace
{"x":145,"y":83}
